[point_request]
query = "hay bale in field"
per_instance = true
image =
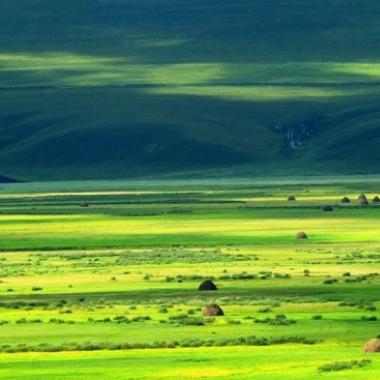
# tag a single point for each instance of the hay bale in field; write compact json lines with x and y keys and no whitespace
{"x":373,"y":345}
{"x":291,"y":198}
{"x":83,"y":204}
{"x":328,"y":208}
{"x":301,"y":235}
{"x":376,"y":199}
{"x":207,"y":285}
{"x":212,"y":310}
{"x":363,"y":202}
{"x":362,"y":197}
{"x":345,"y":200}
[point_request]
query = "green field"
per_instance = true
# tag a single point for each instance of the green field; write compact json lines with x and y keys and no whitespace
{"x":111,"y":290}
{"x":128,"y":88}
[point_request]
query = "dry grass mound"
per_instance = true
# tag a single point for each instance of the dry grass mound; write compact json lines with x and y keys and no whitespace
{"x":328,"y":208}
{"x":362,"y":197}
{"x":345,"y":200}
{"x":207,"y":285}
{"x":291,"y":198}
{"x":301,"y":235}
{"x":373,"y":345}
{"x":376,"y":199}
{"x":212,"y":310}
{"x":363,"y":202}
{"x":83,"y":204}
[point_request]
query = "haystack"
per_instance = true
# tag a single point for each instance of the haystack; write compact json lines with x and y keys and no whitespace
{"x":362,"y":197}
{"x":363,"y":202}
{"x":373,"y":345}
{"x":207,"y":285}
{"x":291,"y":198}
{"x":345,"y":200}
{"x":376,"y":199}
{"x":301,"y":235}
{"x":328,"y":208}
{"x":212,"y":310}
{"x":84,"y":204}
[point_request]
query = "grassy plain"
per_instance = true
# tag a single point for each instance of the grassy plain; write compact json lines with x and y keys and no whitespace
{"x":115,"y":285}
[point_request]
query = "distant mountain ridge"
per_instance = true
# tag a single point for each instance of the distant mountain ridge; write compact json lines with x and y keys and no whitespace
{"x":124,"y":88}
{"x":4,"y":179}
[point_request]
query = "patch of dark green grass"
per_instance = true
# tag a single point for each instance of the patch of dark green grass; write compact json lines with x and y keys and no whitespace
{"x":279,"y":319}
{"x":343,"y":365}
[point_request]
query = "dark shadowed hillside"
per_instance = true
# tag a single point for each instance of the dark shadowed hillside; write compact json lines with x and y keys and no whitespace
{"x":116,"y":88}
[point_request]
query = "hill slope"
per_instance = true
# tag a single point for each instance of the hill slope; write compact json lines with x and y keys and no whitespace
{"x":112,"y":88}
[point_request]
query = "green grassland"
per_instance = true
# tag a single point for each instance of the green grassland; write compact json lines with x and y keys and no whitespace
{"x":129,"y":88}
{"x":111,"y":290}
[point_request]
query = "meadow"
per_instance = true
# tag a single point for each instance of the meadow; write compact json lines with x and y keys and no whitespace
{"x":111,"y":290}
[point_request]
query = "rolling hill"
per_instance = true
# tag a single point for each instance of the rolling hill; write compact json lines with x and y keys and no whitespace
{"x":126,"y":88}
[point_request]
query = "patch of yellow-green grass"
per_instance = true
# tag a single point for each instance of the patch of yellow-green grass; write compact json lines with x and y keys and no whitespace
{"x":86,"y":69}
{"x":263,"y":226}
{"x":189,"y":364}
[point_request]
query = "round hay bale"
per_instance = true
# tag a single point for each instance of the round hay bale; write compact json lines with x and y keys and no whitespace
{"x":301,"y":235}
{"x":362,"y":197}
{"x":212,"y":310}
{"x":373,"y":345}
{"x":207,"y":285}
{"x":376,"y":199}
{"x":328,"y":208}
{"x":291,"y":198}
{"x":363,"y":202}
{"x":84,"y":204}
{"x":345,"y":200}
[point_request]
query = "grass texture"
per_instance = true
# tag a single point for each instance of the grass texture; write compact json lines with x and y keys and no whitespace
{"x":83,"y":288}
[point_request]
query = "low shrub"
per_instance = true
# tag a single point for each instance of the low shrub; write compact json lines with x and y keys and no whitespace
{"x":37,"y":320}
{"x":192,"y":321}
{"x":356,"y":279}
{"x":330,"y":281}
{"x":178,"y":317}
{"x":61,"y":303}
{"x":265,"y":310}
{"x":121,"y":319}
{"x":233,"y":322}
{"x":56,"y":320}
{"x":283,"y":276}
{"x":67,"y":311}
{"x":340,"y":366}
{"x":95,"y":346}
{"x":360,"y":304}
{"x":279,"y":319}
{"x":22,"y":320}
{"x":141,"y":318}
{"x":373,"y":318}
